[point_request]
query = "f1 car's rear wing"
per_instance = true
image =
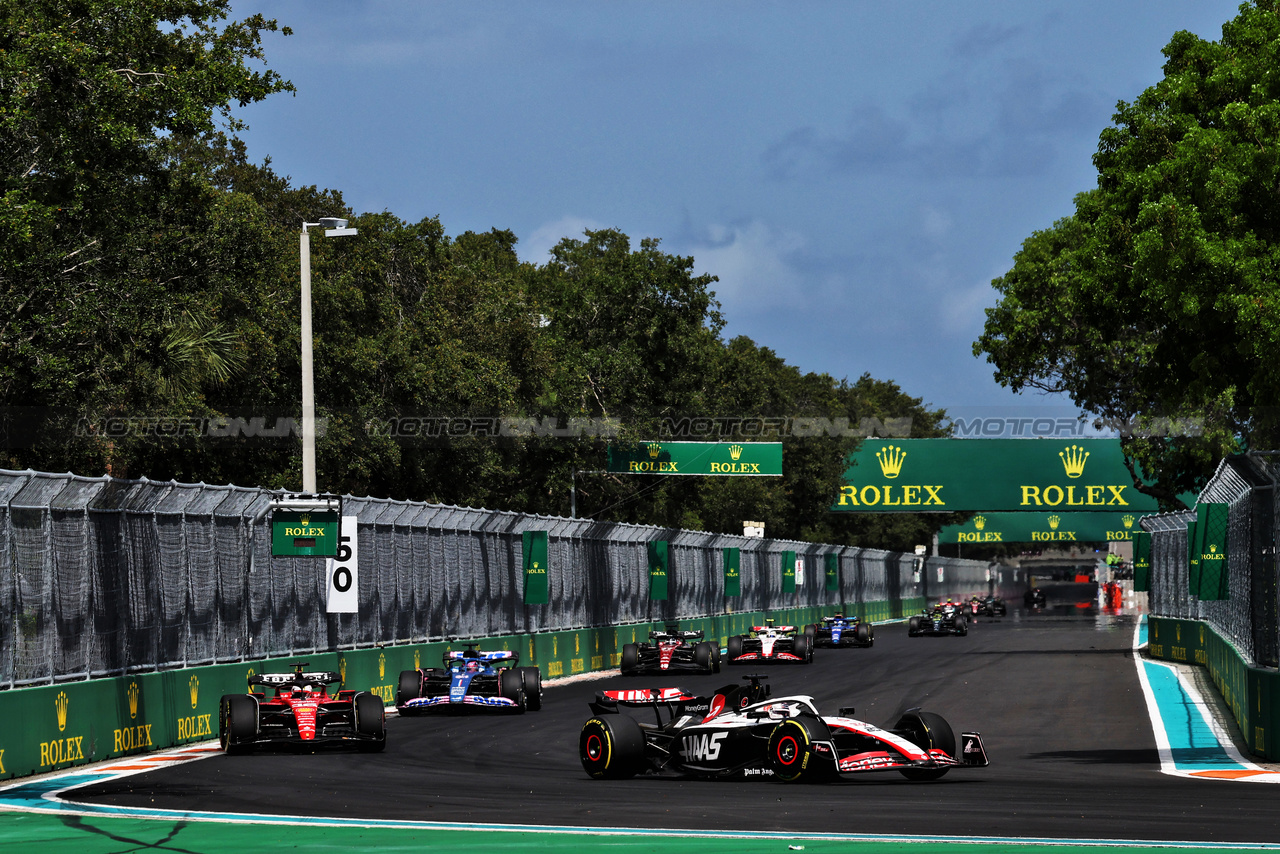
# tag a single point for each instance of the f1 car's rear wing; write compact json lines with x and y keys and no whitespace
{"x":775,"y":628}
{"x":687,"y":635}
{"x":471,"y":653}
{"x":297,"y":678}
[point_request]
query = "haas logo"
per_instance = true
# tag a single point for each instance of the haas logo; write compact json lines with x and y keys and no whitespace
{"x":696,"y":748}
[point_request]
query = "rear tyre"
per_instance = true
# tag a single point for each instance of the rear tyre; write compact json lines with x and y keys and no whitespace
{"x":733,"y":648}
{"x":929,"y":732}
{"x":531,"y":677}
{"x":611,"y":747}
{"x":371,"y":722}
{"x":789,"y":755}
{"x":801,"y":648}
{"x":410,"y":687}
{"x":239,"y":724}
{"x":702,"y":656}
{"x":630,"y":659}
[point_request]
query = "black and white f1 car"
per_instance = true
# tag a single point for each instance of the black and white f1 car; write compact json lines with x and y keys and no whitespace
{"x":471,"y":680}
{"x":840,"y":631}
{"x":741,"y":732}
{"x":671,"y":649}
{"x":945,"y":619}
{"x":770,"y":643}
{"x":300,"y":712}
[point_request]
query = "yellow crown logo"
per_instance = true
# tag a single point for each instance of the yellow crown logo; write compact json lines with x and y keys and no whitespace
{"x":735,"y":451}
{"x":382,"y":665}
{"x":1213,"y":549}
{"x":979,"y":522}
{"x":194,"y":684}
{"x":304,"y":520}
{"x":1128,"y":520}
{"x":342,"y":668}
{"x":133,"y":699}
{"x":576,"y":650}
{"x":1054,"y":522}
{"x":891,"y":458}
{"x":417,"y":659}
{"x":1073,"y":459}
{"x":654,"y":450}
{"x":60,"y":703}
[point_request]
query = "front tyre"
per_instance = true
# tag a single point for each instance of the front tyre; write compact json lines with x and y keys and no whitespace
{"x":630,"y":663}
{"x":371,"y":722}
{"x":611,"y":747}
{"x":409,"y":688}
{"x":511,"y":686}
{"x":913,"y":625}
{"x":532,"y":679}
{"x":803,"y":649}
{"x":238,"y":723}
{"x":733,"y":648}
{"x":962,"y":625}
{"x":929,"y":732}
{"x":790,"y":754}
{"x":863,"y":634}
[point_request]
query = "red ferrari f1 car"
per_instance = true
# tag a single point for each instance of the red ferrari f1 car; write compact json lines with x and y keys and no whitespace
{"x":741,"y":732}
{"x":301,"y":712}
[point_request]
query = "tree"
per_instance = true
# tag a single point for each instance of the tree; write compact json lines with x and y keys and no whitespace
{"x":110,"y":260}
{"x":1154,"y":306}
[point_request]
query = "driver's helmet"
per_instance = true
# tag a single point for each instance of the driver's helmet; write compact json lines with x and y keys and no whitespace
{"x":473,"y":664}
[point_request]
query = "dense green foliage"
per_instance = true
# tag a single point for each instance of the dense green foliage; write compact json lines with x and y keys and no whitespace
{"x":1157,"y":299}
{"x":149,"y":294}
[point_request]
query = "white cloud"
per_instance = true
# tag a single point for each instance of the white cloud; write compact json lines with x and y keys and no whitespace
{"x":753,"y":262}
{"x":961,"y":309}
{"x":536,"y":247}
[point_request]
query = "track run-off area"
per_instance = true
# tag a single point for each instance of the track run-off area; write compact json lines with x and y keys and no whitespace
{"x":1090,"y":747}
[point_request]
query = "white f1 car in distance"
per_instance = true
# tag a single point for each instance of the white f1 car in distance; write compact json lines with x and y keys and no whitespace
{"x":741,"y":732}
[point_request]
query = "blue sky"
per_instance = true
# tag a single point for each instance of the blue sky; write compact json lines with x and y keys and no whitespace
{"x":855,"y":172}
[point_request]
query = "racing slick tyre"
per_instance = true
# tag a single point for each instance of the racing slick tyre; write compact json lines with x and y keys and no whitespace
{"x":962,"y":625}
{"x":715,"y":654}
{"x":410,"y":687}
{"x":929,"y":732}
{"x":704,"y":658}
{"x":790,"y":754}
{"x":532,"y":679}
{"x":811,"y":632}
{"x":611,"y":747}
{"x":630,"y":663}
{"x":913,"y":626}
{"x":733,"y":648}
{"x":238,"y":724}
{"x":371,"y":722}
{"x":803,"y":647}
{"x":511,"y":686}
{"x":863,"y":634}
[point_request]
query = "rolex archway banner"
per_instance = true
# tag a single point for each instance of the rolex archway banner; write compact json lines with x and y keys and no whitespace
{"x":1051,"y":527}
{"x":659,"y":565}
{"x":535,"y":567}
{"x":988,"y":476}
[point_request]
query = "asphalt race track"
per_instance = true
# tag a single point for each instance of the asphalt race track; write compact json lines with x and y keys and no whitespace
{"x":1055,"y":695}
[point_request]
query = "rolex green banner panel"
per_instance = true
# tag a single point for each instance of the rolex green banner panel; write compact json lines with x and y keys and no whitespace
{"x":1141,"y":561}
{"x":742,"y":459}
{"x":1045,"y":527}
{"x":535,"y":567}
{"x":788,"y":572}
{"x":988,"y":476}
{"x":1193,"y":560}
{"x":304,"y":534}
{"x":1211,"y":529}
{"x":732,"y":572}
{"x":659,"y":557}
{"x":832,"y":564}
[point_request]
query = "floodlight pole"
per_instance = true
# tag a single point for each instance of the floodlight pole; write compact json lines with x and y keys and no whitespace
{"x":333,"y":228}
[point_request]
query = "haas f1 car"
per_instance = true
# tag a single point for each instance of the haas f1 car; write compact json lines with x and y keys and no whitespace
{"x":770,"y":643}
{"x":840,"y":631}
{"x":741,"y":732}
{"x":471,"y":680}
{"x":301,"y":713}
{"x":945,"y":619}
{"x":671,"y":649}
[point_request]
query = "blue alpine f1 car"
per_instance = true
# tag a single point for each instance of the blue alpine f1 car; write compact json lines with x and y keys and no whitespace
{"x":471,"y":680}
